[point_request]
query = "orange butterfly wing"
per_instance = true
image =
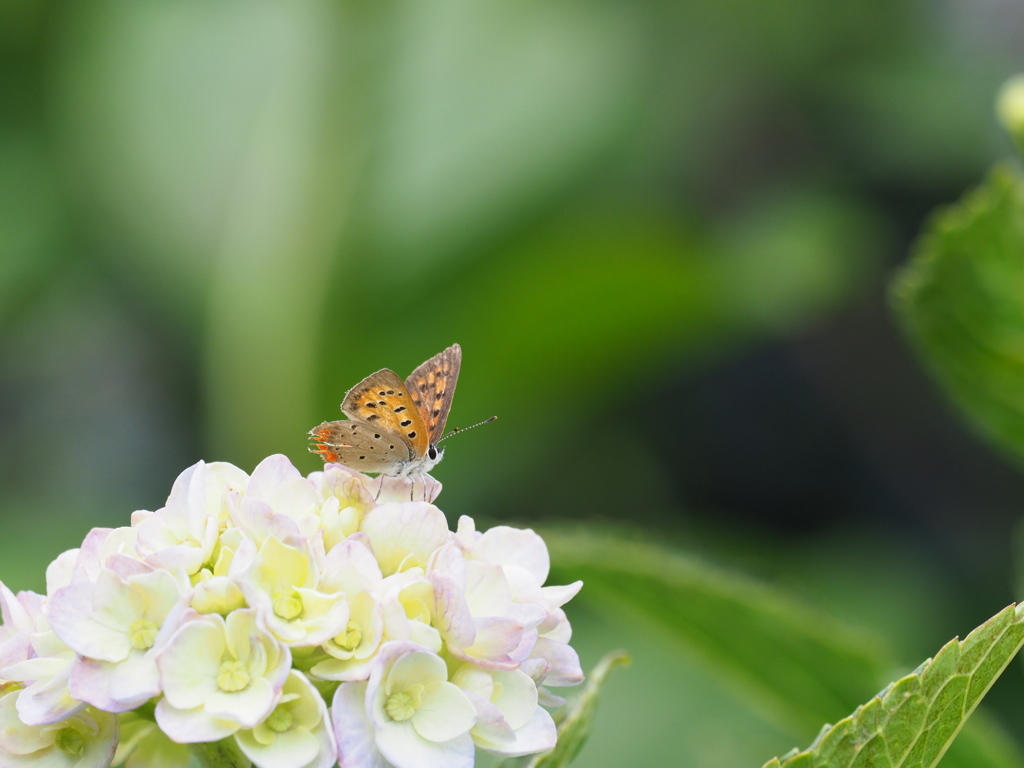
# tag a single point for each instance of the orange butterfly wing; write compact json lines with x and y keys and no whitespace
{"x":432,"y":388}
{"x":382,"y":401}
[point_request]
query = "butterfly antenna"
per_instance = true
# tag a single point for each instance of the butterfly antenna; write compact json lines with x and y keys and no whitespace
{"x":456,"y":430}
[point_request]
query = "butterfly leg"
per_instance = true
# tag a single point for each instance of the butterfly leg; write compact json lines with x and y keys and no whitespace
{"x":380,"y":488}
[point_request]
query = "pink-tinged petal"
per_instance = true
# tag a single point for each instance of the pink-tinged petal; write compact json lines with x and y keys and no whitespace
{"x":354,"y":732}
{"x":539,"y":734}
{"x":136,"y":679}
{"x":529,"y":615}
{"x":404,"y":748}
{"x":451,"y":614}
{"x":259,"y":522}
{"x":389,"y":488}
{"x":190,"y":662}
{"x":496,"y":638}
{"x":556,"y":626}
{"x":564,"y":662}
{"x":89,"y":563}
{"x":444,"y":714}
{"x":547,"y":699}
{"x":279,"y":484}
{"x":350,"y":567}
{"x":59,"y":573}
{"x":90,"y":682}
{"x":179,"y":495}
{"x":139,"y":515}
{"x":12,"y":613}
{"x":490,"y":730}
{"x":187,"y":556}
{"x":94,"y":624}
{"x":125,"y":566}
{"x":503,"y":545}
{"x":535,"y":668}
{"x":449,"y":562}
{"x":191,"y":726}
{"x":525,"y":648}
{"x":48,"y":702}
{"x":405,"y":533}
{"x":14,"y":650}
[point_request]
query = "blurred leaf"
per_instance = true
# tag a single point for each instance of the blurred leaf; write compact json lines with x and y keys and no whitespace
{"x":960,"y":299}
{"x":489,"y":110}
{"x":800,"y":664}
{"x":575,"y":721}
{"x":30,"y":220}
{"x":913,"y":721}
{"x":793,"y":253}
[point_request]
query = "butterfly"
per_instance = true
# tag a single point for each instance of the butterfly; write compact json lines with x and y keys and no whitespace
{"x":393,"y":427}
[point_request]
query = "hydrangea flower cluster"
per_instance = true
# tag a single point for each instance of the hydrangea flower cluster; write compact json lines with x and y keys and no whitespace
{"x":308,"y":621}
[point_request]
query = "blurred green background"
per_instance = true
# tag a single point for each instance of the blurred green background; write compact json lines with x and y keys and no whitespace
{"x":660,"y":230}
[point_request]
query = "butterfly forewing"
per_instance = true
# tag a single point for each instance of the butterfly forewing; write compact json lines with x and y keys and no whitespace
{"x":360,"y":446}
{"x":383,"y":402}
{"x":432,"y":387}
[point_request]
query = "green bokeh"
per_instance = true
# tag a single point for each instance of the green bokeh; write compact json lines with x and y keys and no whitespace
{"x":216,"y":217}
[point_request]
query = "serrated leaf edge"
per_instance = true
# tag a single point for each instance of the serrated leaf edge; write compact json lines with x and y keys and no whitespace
{"x":1013,"y":618}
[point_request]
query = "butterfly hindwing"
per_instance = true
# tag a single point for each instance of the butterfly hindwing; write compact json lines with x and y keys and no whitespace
{"x":432,"y":387}
{"x":383,"y":402}
{"x":360,"y":446}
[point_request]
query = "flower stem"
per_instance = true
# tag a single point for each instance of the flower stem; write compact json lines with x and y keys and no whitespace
{"x":220,"y":754}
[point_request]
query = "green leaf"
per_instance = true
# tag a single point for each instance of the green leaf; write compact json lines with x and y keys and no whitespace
{"x":801,"y":667}
{"x":575,"y":720}
{"x":960,"y":299}
{"x":798,"y":664}
{"x":912,"y":722}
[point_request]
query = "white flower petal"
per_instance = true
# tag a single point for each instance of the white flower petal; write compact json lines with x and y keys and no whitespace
{"x":191,"y":726}
{"x":564,"y":662}
{"x":558,"y":596}
{"x":60,"y":572}
{"x":15,"y":736}
{"x":90,"y":682}
{"x":539,"y":734}
{"x":503,"y":545}
{"x":295,"y":748}
{"x":48,"y":701}
{"x":444,"y":714}
{"x":405,"y":533}
{"x":355,"y":734}
{"x":415,"y":668}
{"x":518,"y":699}
{"x":247,"y":708}
{"x":404,"y":748}
{"x":99,"y":634}
{"x":190,"y":662}
{"x":135,"y":680}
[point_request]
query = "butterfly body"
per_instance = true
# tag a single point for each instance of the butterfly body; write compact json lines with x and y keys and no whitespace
{"x":393,"y":427}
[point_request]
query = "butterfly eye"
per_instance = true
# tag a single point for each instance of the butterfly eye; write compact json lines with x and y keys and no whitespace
{"x":432,"y":453}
